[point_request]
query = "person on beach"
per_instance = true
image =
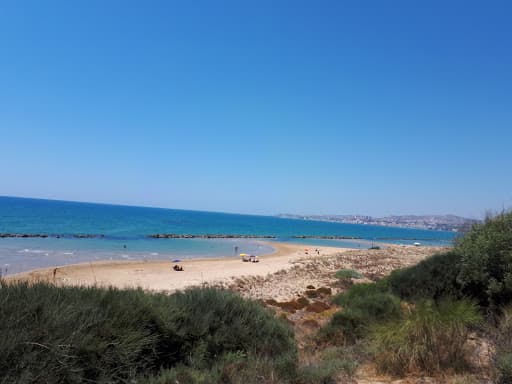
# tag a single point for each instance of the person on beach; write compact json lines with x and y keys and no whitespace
{"x":177,"y":268}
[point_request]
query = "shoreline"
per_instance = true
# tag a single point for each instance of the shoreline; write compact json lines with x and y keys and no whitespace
{"x":158,"y":275}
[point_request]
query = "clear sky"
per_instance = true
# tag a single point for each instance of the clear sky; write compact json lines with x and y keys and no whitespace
{"x":370,"y":107}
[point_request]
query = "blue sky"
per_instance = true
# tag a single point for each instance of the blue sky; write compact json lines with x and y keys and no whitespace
{"x":370,"y":107}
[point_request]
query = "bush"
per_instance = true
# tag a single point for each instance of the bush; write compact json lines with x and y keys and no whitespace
{"x":333,"y":362}
{"x":503,"y":344}
{"x":348,"y":274}
{"x":214,"y":322}
{"x":431,"y":337}
{"x":237,"y":368}
{"x":78,"y":335}
{"x":504,"y":367}
{"x":466,"y":379}
{"x":432,"y":278}
{"x":232,"y":369}
{"x":486,"y":261}
{"x":479,"y":267}
{"x":363,"y":305}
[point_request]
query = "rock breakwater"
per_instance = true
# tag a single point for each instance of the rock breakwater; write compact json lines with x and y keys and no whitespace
{"x":208,"y":236}
{"x":56,"y":236}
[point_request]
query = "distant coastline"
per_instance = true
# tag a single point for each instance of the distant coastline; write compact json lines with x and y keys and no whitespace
{"x":37,"y":233}
{"x":450,"y":223}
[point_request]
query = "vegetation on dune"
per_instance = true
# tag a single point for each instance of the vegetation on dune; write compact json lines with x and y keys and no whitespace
{"x":415,"y":320}
{"x":77,"y":335}
{"x":232,"y":368}
{"x":348,"y":274}
{"x":443,"y":298}
{"x":235,"y":368}
{"x":478,"y":267}
{"x":363,"y":305}
{"x":502,"y":336}
{"x":333,"y":363}
{"x":430,"y":337}
{"x":432,"y":278}
{"x":486,"y":261}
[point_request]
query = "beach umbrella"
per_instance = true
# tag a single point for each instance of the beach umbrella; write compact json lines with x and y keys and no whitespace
{"x":243,"y":254}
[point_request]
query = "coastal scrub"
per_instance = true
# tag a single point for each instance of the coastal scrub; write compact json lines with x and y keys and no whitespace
{"x":81,"y":335}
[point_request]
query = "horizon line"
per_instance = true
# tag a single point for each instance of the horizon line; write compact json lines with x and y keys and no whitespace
{"x":223,"y":212}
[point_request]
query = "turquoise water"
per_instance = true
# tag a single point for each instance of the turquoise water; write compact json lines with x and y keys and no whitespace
{"x":125,"y":230}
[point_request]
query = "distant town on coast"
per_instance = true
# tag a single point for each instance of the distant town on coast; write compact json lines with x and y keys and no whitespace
{"x":451,"y":223}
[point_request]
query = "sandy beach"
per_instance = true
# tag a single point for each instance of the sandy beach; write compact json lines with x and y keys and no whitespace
{"x":229,"y":272}
{"x":159,"y":275}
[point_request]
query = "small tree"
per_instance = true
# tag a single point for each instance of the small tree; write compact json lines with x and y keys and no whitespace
{"x":486,"y":261}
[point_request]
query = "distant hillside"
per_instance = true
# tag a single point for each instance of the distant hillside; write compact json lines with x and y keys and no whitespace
{"x":434,"y":222}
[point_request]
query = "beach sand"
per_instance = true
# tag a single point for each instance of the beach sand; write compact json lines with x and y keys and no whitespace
{"x":281,"y":274}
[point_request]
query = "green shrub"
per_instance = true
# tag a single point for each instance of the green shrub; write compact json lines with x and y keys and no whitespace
{"x":333,"y":362}
{"x":362,"y":305}
{"x":234,"y":369}
{"x":358,"y":292}
{"x":214,"y":322}
{"x":486,"y":261}
{"x":237,"y":368}
{"x":504,"y":367}
{"x":430,"y":338}
{"x":466,"y":379}
{"x":348,"y":274}
{"x":479,"y":267}
{"x":322,"y":373}
{"x":78,"y":335}
{"x":503,"y":344}
{"x":432,"y":278}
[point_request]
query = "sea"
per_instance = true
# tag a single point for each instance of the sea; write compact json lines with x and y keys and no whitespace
{"x":120,"y":232}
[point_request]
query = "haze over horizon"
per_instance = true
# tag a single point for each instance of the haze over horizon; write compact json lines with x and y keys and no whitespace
{"x":244,"y":213}
{"x":370,"y":108}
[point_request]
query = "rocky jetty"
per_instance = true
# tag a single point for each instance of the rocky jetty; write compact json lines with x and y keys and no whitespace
{"x":326,"y":237}
{"x":23,"y":235}
{"x":207,"y":236}
{"x":56,"y":236}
